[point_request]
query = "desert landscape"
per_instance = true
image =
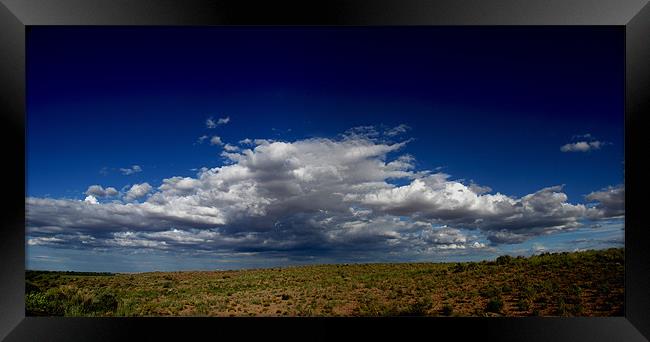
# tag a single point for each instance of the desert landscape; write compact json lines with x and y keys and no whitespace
{"x":587,"y":283}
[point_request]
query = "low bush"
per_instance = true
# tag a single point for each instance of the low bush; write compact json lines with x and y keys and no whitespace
{"x":494,"y":305}
{"x":447,"y":310}
{"x":104,"y":302}
{"x":561,"y":308}
{"x":37,"y":304}
{"x":31,"y":287}
{"x":70,"y":301}
{"x":418,"y":308}
{"x":576,"y":309}
{"x":523,"y":305}
{"x":504,"y":260}
{"x":490,"y":291}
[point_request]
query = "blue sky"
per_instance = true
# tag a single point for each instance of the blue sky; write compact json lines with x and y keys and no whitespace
{"x":515,"y":109}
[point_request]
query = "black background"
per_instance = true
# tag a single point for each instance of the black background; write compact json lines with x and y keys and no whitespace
{"x":17,"y":15}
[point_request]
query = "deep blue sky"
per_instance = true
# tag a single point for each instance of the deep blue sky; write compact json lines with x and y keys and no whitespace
{"x":492,"y":105}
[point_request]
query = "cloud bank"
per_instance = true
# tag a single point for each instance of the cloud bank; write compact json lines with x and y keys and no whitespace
{"x":313,"y":196}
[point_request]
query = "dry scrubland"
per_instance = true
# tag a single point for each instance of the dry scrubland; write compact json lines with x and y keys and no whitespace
{"x":568,"y":284}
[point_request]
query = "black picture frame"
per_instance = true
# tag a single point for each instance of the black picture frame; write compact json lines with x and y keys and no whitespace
{"x":16,"y":16}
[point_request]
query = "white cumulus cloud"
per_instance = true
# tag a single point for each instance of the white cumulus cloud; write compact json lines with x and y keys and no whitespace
{"x":99,"y":191}
{"x":327,"y":195}
{"x":137,"y":191}
{"x":584,"y":145}
{"x":90,"y":199}
{"x":230,"y":148}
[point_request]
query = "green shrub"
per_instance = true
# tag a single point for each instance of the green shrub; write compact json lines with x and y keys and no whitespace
{"x":574,"y":289}
{"x":523,"y":305}
{"x":56,"y":294}
{"x":606,"y":306}
{"x":541,"y":299}
{"x":69,"y":301}
{"x":31,"y":287}
{"x":495,"y":304}
{"x":576,"y":309}
{"x":490,"y":291}
{"x":561,"y":308}
{"x":604,"y":289}
{"x":447,"y":310}
{"x":418,"y":308}
{"x":37,"y":304}
{"x":504,"y":260}
{"x":528,"y":292}
{"x":104,"y":302}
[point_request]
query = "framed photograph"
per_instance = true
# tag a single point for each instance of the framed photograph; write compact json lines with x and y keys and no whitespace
{"x":465,"y":169}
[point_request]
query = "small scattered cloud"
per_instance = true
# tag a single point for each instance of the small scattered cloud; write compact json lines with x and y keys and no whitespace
{"x":216,"y":140}
{"x":581,"y":136}
{"x":90,"y":199}
{"x":581,"y":146}
{"x":201,"y":139}
{"x":397,"y":130}
{"x":246,"y":141}
{"x":231,"y":148}
{"x":361,"y":132}
{"x":44,"y":241}
{"x":590,"y":144}
{"x":137,"y":191}
{"x":99,"y":191}
{"x":212,"y":123}
{"x":131,"y":170}
{"x":263,"y":141}
{"x":477,"y":245}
